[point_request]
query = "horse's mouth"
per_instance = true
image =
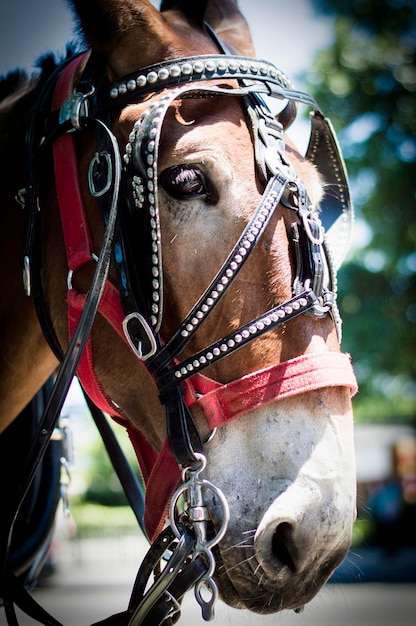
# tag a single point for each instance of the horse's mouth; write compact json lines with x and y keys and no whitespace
{"x":245,"y":584}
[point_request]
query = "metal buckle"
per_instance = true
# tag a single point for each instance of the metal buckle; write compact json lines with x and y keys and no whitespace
{"x":95,"y":161}
{"x":75,"y":107}
{"x":27,"y":276}
{"x":135,"y":341}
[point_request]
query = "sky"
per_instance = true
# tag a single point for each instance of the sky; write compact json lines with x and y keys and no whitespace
{"x":287,"y":34}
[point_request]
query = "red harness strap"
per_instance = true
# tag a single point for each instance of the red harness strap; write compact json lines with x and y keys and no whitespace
{"x":220,"y":403}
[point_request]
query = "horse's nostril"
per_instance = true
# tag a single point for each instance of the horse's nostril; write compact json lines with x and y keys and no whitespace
{"x":283,"y":546}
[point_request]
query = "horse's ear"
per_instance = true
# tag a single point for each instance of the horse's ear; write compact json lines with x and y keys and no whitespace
{"x":222,"y":15}
{"x":115,"y":28}
{"x":194,"y":10}
{"x":104,"y":22}
{"x":230,"y":25}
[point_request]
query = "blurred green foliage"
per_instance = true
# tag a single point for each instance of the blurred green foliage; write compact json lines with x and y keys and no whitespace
{"x":366,"y":83}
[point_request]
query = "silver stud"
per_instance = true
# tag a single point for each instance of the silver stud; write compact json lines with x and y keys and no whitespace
{"x":186,"y":69}
{"x":163,"y":73}
{"x":198,"y":67}
{"x":210,"y":66}
{"x":114,"y":93}
{"x":122,"y":89}
{"x":210,"y":356}
{"x":216,"y":352}
{"x":184,"y":333}
{"x":222,"y":65}
{"x":141,"y":81}
{"x":153,"y":320}
{"x":152,"y":77}
{"x":131,"y":85}
{"x":175,"y":71}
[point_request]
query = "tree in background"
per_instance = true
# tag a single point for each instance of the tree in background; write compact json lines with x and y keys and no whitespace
{"x":366,"y":83}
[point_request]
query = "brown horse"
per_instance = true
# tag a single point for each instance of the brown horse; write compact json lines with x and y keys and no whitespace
{"x":190,"y":184}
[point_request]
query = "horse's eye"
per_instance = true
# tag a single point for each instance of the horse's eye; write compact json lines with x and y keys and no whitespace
{"x":183,"y":182}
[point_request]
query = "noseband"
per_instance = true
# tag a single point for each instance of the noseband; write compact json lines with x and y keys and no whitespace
{"x":126,"y":180}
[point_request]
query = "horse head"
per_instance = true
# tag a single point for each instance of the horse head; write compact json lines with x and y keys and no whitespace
{"x":220,"y":246}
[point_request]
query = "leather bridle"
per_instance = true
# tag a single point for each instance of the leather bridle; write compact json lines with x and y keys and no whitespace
{"x":127,"y":177}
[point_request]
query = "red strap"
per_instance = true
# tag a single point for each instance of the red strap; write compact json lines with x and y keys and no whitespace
{"x":74,"y":224}
{"x":299,"y":375}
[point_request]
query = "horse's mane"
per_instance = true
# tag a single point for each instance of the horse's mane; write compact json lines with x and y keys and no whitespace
{"x":18,"y":93}
{"x":16,"y":80}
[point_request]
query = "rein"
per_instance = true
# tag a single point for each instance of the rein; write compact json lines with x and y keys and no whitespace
{"x":137,"y":317}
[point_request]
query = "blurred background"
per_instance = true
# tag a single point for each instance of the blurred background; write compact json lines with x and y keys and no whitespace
{"x":357,"y":58}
